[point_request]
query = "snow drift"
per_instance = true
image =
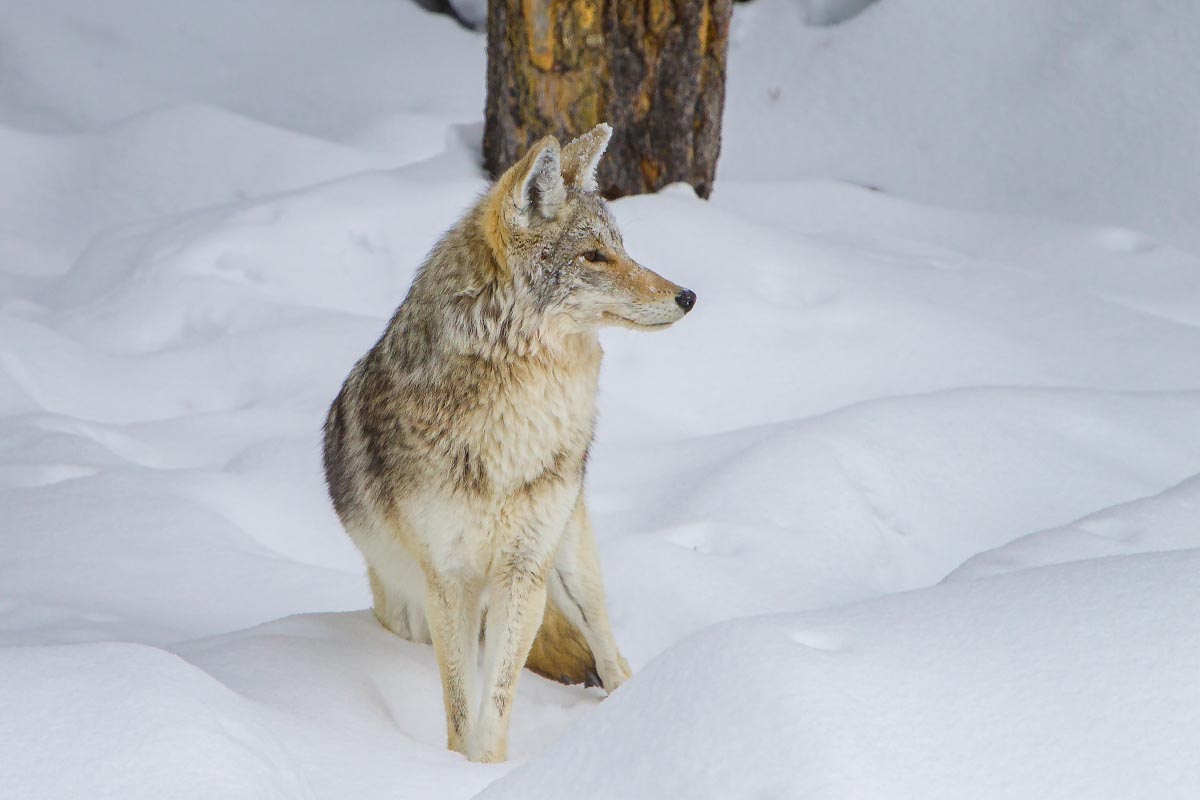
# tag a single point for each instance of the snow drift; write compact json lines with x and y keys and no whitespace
{"x":1070,"y":681}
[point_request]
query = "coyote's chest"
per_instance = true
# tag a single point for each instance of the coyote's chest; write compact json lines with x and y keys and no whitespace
{"x":533,"y":423}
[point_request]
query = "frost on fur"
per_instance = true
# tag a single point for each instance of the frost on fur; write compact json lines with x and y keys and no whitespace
{"x":581,"y":157}
{"x":539,"y":189}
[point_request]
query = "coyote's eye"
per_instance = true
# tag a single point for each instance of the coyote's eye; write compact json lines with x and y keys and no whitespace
{"x":595,"y":257}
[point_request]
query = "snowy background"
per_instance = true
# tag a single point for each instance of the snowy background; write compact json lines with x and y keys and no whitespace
{"x":908,"y":508}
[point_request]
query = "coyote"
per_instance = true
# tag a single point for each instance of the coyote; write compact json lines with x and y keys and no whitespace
{"x":456,"y":449}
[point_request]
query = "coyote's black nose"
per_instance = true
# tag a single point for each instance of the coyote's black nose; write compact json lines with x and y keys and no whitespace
{"x":686,"y":299}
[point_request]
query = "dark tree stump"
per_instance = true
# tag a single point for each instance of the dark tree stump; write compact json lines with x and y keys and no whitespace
{"x":653,"y":69}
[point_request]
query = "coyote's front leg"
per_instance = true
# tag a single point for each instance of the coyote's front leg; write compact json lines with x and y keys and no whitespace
{"x":452,"y":608}
{"x":578,"y":591}
{"x":514,"y":616}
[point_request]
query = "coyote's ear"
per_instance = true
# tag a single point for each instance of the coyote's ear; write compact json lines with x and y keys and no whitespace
{"x":537,"y":191}
{"x":580,"y":157}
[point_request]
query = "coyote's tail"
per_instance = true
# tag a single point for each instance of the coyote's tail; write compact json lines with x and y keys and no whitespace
{"x":560,"y":652}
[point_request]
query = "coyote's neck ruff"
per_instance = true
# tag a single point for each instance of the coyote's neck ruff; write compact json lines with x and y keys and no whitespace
{"x":455,"y":451}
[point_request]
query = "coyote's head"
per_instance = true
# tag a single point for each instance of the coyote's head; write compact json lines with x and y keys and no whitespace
{"x":551,"y":229}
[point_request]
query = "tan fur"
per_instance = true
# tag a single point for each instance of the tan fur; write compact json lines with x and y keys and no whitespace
{"x":560,"y":652}
{"x":455,"y":452}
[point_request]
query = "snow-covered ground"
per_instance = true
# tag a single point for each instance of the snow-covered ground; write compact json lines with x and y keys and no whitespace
{"x":935,"y":422}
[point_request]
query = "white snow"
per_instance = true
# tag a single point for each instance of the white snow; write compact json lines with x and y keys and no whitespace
{"x":1076,"y":681}
{"x":967,"y":405}
{"x":1070,"y":109}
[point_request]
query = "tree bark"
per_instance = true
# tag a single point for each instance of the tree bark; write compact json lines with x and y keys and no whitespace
{"x":653,"y":69}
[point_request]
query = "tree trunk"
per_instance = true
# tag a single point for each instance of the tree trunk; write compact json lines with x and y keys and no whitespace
{"x":653,"y":69}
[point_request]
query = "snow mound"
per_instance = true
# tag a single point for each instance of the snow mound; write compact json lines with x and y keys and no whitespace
{"x":133,"y":722}
{"x":1070,"y":681}
{"x":1166,"y":521}
{"x":344,"y":71}
{"x":882,"y":497}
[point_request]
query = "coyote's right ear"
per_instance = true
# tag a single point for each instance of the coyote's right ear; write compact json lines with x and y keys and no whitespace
{"x":536,"y":191}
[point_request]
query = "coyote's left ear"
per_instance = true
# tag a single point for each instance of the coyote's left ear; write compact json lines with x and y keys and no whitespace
{"x":580,"y":157}
{"x":536,"y":190}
